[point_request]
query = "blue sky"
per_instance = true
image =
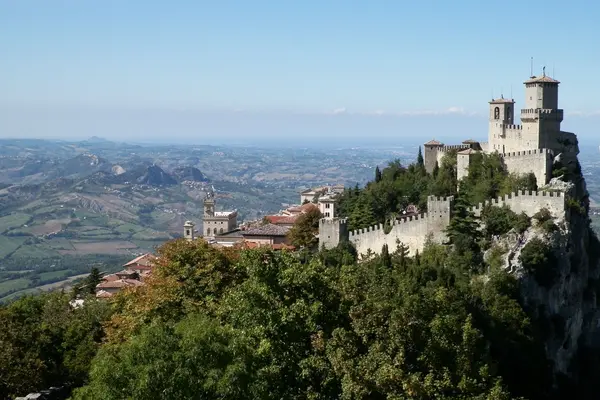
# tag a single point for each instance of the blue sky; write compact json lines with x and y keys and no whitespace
{"x":281,"y":68}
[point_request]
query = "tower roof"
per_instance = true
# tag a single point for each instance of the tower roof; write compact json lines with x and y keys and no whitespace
{"x":541,"y":79}
{"x":501,"y":100}
{"x":433,"y":143}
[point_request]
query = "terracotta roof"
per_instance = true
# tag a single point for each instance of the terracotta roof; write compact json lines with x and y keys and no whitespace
{"x":103,"y":294}
{"x":267,"y":230}
{"x":275,"y":246}
{"x":145,"y":259}
{"x":110,"y":278}
{"x":468,"y":151}
{"x":502,"y":100}
{"x":281,"y":219}
{"x":120,"y":283}
{"x":543,"y":78}
{"x":308,"y":206}
{"x":434,"y":143}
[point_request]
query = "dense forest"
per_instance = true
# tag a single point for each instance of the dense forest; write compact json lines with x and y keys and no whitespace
{"x":214,"y":323}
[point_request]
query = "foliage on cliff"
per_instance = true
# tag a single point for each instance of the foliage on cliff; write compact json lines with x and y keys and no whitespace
{"x":396,"y":186}
{"x":267,"y":324}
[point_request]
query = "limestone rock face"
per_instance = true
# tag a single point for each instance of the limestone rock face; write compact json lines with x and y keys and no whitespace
{"x":570,"y":302}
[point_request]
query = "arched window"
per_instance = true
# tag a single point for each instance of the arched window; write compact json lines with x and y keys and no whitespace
{"x":187,"y":232}
{"x":221,"y":230}
{"x":215,"y":231}
{"x":497,"y":113}
{"x":508,"y":114}
{"x":208,"y":231}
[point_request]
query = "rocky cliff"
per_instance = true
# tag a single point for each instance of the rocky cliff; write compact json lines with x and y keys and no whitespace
{"x":557,"y":263}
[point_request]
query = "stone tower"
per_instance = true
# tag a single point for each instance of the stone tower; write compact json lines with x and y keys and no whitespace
{"x":188,"y":230}
{"x":430,"y":156}
{"x":332,"y":232}
{"x":541,"y":116}
{"x":502,"y":114}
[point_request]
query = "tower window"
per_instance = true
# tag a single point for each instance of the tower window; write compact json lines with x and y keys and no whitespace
{"x":208,"y":231}
{"x":187,"y":232}
{"x":497,"y":113}
{"x":508,"y":113}
{"x":215,"y":231}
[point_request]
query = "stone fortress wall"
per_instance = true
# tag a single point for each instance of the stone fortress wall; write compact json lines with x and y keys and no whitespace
{"x":538,"y":161}
{"x":415,"y":231}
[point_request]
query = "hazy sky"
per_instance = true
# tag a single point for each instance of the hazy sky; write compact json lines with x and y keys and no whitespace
{"x":200,"y":69}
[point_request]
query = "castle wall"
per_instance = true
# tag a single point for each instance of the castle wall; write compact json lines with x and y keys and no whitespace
{"x":462,"y":166}
{"x":529,"y":202}
{"x":414,"y":231}
{"x":537,"y":161}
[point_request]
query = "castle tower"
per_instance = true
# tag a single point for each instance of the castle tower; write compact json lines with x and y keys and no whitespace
{"x":502,"y":114}
{"x":332,"y":232}
{"x":541,"y":116}
{"x":188,"y":230}
{"x":430,"y":156}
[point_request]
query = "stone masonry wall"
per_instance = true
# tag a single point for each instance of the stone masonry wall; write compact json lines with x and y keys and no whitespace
{"x":537,"y":161}
{"x":414,"y":231}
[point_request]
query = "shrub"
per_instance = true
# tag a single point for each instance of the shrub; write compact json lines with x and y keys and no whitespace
{"x":543,"y":215}
{"x":521,"y":222}
{"x":538,"y":260}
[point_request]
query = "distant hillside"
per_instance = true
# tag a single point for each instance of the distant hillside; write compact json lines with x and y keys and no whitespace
{"x":189,"y":174}
{"x":156,"y":176}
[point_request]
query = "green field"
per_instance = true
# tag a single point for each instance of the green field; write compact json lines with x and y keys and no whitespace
{"x":9,"y":244}
{"x":14,"y":284}
{"x":11,"y":221}
{"x":46,"y":276}
{"x":34,"y":251}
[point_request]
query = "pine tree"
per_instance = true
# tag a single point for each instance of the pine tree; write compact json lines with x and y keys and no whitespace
{"x":386,"y":259}
{"x":377,"y":174}
{"x":93,"y":279}
{"x":420,"y":161}
{"x":463,"y":224}
{"x":436,"y":170}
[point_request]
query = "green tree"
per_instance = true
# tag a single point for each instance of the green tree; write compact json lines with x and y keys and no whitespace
{"x":420,"y":161}
{"x":377,"y":175}
{"x":303,"y":233}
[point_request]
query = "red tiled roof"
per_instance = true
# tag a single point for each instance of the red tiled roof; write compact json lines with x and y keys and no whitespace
{"x":502,"y":100}
{"x":275,"y":246}
{"x":308,"y":206}
{"x":543,"y":78}
{"x":120,"y":283}
{"x":281,"y":219}
{"x":110,"y":278}
{"x":103,"y":294}
{"x":433,"y":143}
{"x":145,"y":260}
{"x":267,"y":230}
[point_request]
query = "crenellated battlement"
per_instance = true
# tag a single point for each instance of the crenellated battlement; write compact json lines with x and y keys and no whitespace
{"x":527,"y":201}
{"x":433,"y":198}
{"x":453,"y":147}
{"x":512,"y":127}
{"x":334,"y":221}
{"x":527,"y":153}
{"x":413,"y":231}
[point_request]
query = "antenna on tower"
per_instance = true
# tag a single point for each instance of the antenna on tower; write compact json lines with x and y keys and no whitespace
{"x":553,"y":74}
{"x":531,"y":74}
{"x":511,"y":96}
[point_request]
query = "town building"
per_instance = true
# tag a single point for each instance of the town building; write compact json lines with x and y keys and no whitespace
{"x":217,"y":222}
{"x":133,"y":274}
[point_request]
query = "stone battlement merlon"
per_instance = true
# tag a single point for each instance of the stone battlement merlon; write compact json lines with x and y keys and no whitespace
{"x":453,"y":147}
{"x":439,"y":199}
{"x":333,"y":221}
{"x":527,"y":153}
{"x":528,"y":200}
{"x":395,"y":223}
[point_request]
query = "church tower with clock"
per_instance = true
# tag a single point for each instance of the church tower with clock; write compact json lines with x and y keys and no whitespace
{"x":217,"y":222}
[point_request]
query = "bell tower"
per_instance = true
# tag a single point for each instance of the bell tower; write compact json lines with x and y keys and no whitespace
{"x":541,"y":117}
{"x":502,"y":116}
{"x":209,"y":205}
